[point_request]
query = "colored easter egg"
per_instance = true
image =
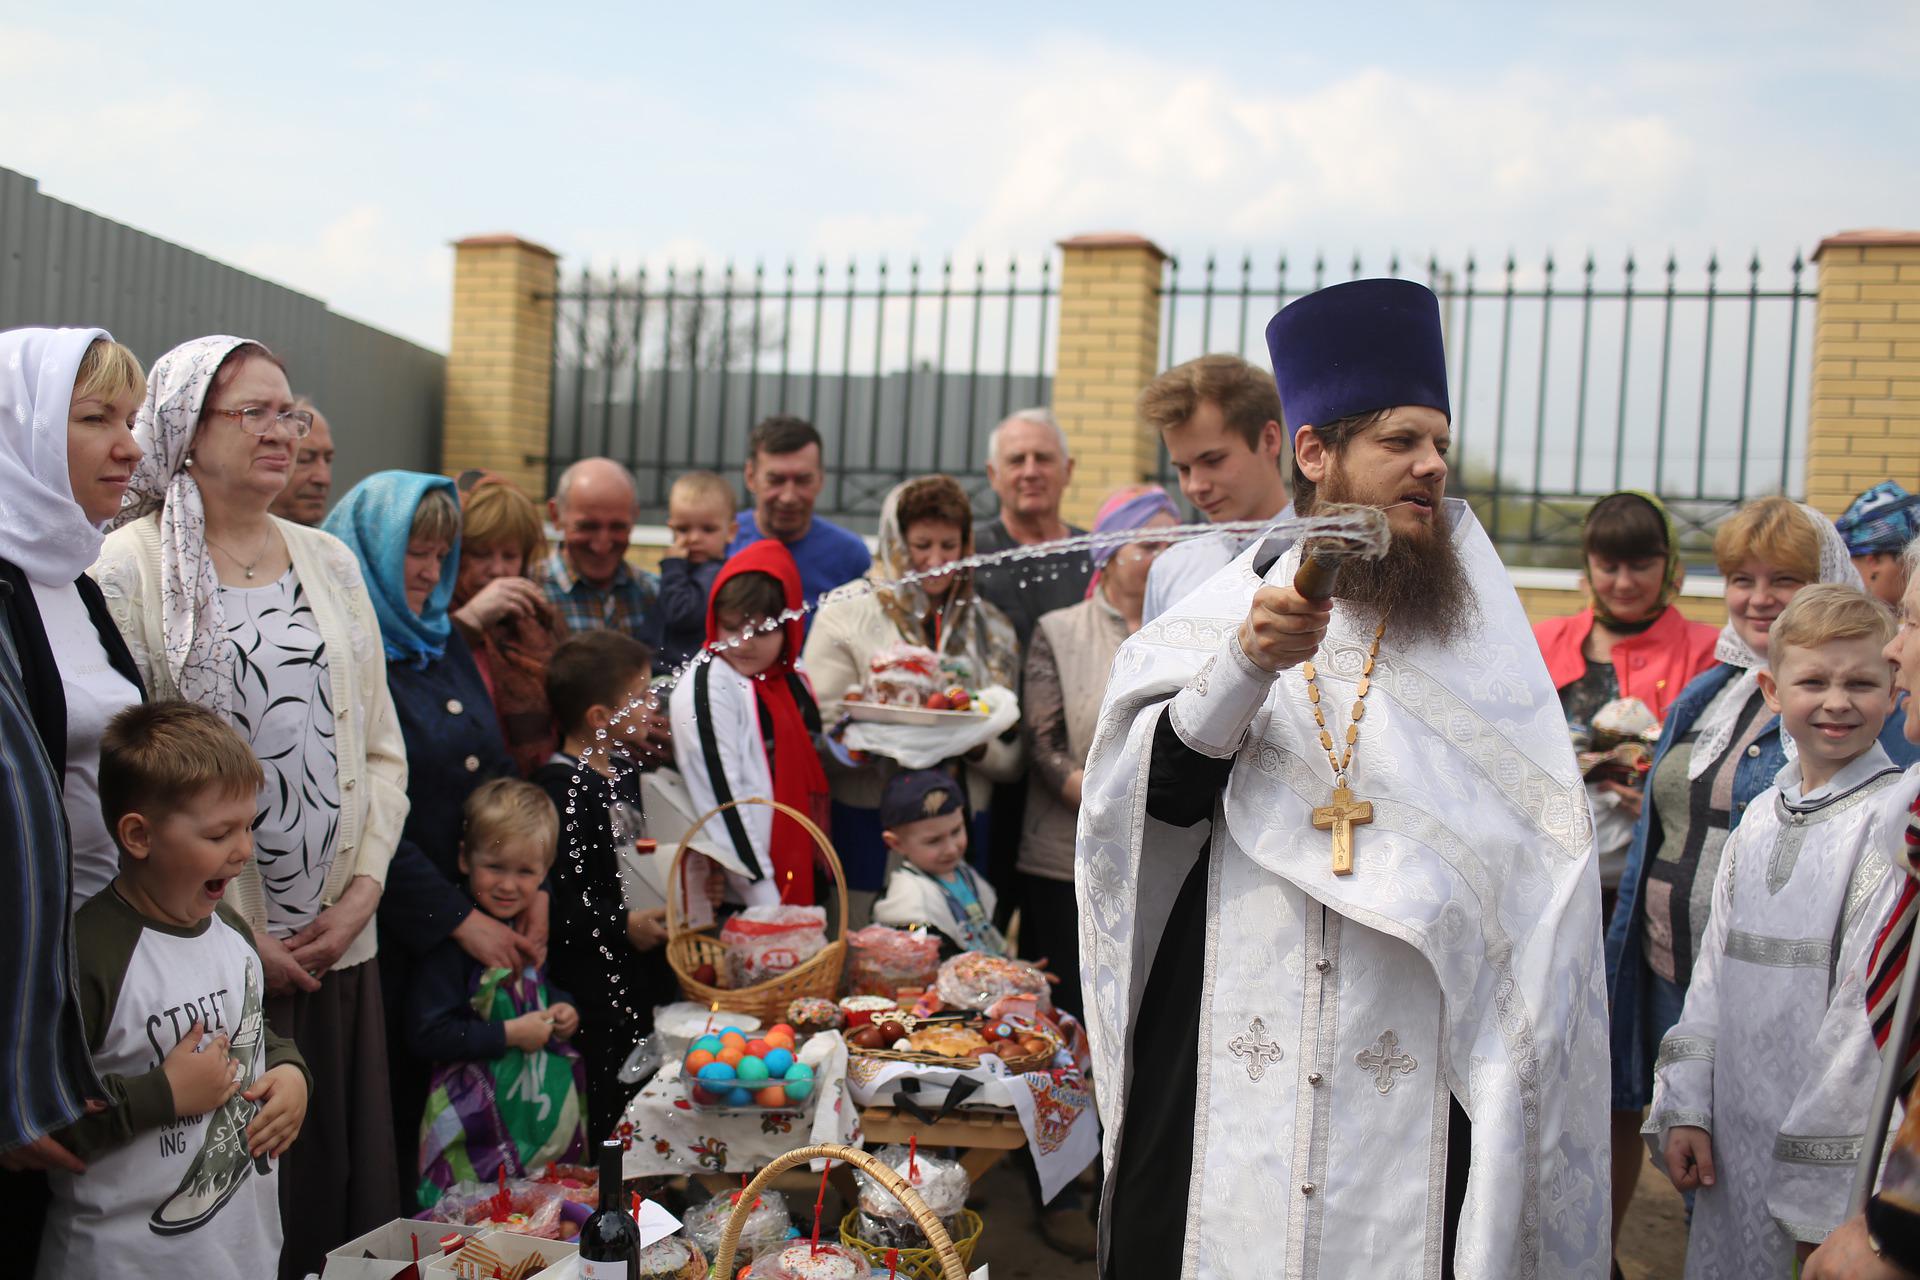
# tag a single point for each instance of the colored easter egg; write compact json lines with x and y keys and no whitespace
{"x":752,"y":1069}
{"x":710,"y":1044}
{"x":780,"y":1029}
{"x":798,"y":1090}
{"x":799,"y":1071}
{"x":696,"y":1060}
{"x":728,"y":1029}
{"x":778,"y":1061}
{"x":758,"y":1048}
{"x":720,"y":1072}
{"x":733,"y":1037}
{"x":773,"y":1095}
{"x":740,"y":1098}
{"x":732,"y":1055}
{"x":706,"y":1097}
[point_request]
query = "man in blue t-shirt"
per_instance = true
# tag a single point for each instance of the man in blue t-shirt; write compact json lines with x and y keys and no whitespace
{"x":784,"y":476}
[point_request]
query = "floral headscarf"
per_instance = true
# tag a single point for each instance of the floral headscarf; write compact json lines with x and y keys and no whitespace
{"x":42,"y":529}
{"x":1127,"y":508}
{"x":191,"y":622}
{"x":969,"y":627}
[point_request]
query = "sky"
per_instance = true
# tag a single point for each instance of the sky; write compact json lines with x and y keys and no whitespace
{"x":340,"y":149}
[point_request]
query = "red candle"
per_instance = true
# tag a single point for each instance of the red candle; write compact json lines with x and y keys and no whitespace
{"x":913,"y":1162}
{"x":819,"y":1204}
{"x":893,"y":1262}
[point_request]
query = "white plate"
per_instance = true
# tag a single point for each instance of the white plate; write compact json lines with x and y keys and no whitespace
{"x":878,"y":713}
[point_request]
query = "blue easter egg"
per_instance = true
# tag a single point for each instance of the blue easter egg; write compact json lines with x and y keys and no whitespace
{"x":799,"y":1090}
{"x":717,"y":1071}
{"x":799,"y":1071}
{"x":722,"y":1032}
{"x":710,"y":1043}
{"x":752,"y":1068}
{"x":739,"y":1098}
{"x":779,"y":1061}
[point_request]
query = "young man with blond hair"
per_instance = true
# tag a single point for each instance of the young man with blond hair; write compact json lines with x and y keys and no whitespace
{"x":1220,"y":420}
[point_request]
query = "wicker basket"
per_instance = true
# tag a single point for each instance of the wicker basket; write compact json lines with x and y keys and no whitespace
{"x":688,"y":949}
{"x":1018,"y":1066}
{"x":950,"y":1264}
{"x":921,"y":1264}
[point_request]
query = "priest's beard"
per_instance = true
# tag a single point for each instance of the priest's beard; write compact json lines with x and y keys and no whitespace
{"x":1421,"y":582}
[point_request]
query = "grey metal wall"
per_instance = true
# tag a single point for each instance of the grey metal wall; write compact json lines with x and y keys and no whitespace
{"x":61,"y":265}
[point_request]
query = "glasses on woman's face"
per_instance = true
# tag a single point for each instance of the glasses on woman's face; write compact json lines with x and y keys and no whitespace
{"x":257,"y":420}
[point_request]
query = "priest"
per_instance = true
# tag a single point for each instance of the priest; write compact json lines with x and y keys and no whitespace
{"x":1340,"y":915}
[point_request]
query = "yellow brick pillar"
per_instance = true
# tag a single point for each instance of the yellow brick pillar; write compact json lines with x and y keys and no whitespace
{"x":1865,"y":424}
{"x":1109,"y":348}
{"x":500,"y":363}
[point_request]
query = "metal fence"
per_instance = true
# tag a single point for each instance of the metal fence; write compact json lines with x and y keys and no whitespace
{"x":902,"y":372}
{"x":1687,"y":384}
{"x":62,"y":265}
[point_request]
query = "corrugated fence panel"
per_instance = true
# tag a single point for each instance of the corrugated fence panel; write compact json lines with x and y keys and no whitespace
{"x":62,"y":265}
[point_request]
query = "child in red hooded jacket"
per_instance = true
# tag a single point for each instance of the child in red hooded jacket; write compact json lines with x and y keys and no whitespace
{"x":745,"y":724}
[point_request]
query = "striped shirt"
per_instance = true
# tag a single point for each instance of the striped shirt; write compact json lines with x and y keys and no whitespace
{"x":43,"y":1043}
{"x":1890,"y":955}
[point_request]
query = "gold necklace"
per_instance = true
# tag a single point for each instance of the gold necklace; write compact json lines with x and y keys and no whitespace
{"x":1342,"y":813}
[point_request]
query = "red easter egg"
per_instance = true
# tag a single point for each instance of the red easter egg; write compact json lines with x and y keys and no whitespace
{"x":759,"y":1048}
{"x":779,"y":1029}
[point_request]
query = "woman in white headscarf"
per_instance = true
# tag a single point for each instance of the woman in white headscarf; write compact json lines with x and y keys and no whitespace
{"x":67,"y":452}
{"x":1719,"y":748}
{"x":67,"y":399}
{"x":269,"y":623}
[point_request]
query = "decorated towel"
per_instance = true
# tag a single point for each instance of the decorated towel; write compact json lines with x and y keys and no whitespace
{"x":1055,"y":1107}
{"x":922,"y":746}
{"x":511,"y":1113}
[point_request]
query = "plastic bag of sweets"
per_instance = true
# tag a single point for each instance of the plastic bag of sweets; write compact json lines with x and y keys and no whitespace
{"x":942,"y":1184}
{"x":767,"y":1226}
{"x":883,"y":962}
{"x":975,"y":979}
{"x":673,"y":1259}
{"x":765,"y":942}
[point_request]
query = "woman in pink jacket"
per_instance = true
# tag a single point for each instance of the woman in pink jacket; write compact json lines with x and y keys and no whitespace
{"x":1631,"y":642}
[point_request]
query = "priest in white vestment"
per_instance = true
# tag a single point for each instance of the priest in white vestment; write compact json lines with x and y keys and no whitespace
{"x":1398,"y":1068}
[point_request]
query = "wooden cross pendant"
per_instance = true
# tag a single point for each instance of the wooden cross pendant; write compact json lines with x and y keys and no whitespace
{"x":1341,"y":815}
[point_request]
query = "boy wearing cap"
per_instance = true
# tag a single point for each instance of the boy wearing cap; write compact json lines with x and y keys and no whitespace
{"x":924,"y":822}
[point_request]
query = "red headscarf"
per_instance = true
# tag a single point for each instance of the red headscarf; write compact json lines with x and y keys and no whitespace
{"x":798,"y":779}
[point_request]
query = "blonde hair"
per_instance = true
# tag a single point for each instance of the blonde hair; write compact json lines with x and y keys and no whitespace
{"x":437,"y":518}
{"x":1773,"y":531}
{"x":157,"y":758}
{"x":703,"y":487}
{"x":498,"y":514}
{"x":109,"y":371}
{"x":1824,"y":613}
{"x":506,"y":808}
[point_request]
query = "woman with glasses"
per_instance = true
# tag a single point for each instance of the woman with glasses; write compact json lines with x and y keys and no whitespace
{"x":269,"y":623}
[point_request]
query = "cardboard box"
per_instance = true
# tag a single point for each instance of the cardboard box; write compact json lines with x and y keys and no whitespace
{"x":391,"y":1249}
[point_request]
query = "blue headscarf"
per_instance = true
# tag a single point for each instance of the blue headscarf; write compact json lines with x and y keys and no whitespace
{"x":375,"y":520}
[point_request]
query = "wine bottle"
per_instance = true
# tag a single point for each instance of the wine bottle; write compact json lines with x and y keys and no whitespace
{"x":610,"y":1239}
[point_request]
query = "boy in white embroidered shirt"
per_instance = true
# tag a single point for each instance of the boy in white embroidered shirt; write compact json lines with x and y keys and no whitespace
{"x":1745,"y":1109}
{"x":202,"y":1096}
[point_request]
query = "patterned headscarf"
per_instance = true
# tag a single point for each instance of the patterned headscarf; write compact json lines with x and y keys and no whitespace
{"x":1723,"y":717}
{"x":1669,"y":585}
{"x":1883,"y":520}
{"x":42,"y":529}
{"x":969,"y":626}
{"x":375,"y":520}
{"x":191,"y":622}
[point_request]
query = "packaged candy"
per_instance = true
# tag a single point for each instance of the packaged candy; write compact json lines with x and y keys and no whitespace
{"x":766,"y":1228}
{"x":672,"y":1259}
{"x":942,"y":1183}
{"x":765,"y":942}
{"x":975,"y":979}
{"x":883,"y":961}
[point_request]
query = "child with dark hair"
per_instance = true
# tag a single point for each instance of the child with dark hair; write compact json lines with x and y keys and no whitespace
{"x":609,"y":956}
{"x":745,"y":724}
